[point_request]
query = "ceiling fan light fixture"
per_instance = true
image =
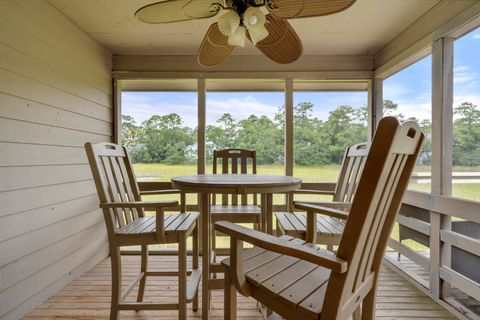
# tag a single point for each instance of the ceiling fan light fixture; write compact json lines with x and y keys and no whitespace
{"x":238,"y":37}
{"x":257,"y":34}
{"x":254,"y":18}
{"x":229,"y":23}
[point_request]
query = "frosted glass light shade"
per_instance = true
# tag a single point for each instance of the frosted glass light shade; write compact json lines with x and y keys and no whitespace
{"x":254,"y":18}
{"x":258,"y":34}
{"x":229,"y":23}
{"x":238,"y":38}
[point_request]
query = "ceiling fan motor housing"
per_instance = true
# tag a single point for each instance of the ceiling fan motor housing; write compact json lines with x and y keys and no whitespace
{"x":240,"y":6}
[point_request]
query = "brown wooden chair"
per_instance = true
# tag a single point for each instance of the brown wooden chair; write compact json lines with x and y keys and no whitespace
{"x":234,"y":208}
{"x":127,"y":225}
{"x":330,"y":222}
{"x":297,"y":280}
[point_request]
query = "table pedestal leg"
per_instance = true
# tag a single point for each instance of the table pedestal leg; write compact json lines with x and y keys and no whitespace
{"x":269,"y":211}
{"x":205,"y":213}
{"x":263,"y":207}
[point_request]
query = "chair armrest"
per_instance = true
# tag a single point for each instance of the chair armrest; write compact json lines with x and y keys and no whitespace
{"x":139,"y":204}
{"x":160,"y":192}
{"x":158,"y":206}
{"x":328,"y":204}
{"x":278,"y":245}
{"x":312,"y":191}
{"x":336,"y":213}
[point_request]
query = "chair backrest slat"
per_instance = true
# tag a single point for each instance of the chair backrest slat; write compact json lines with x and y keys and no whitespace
{"x":128,"y":188}
{"x":115,"y":182}
{"x":352,"y":167}
{"x":243,"y":170}
{"x":231,"y":159}
{"x":112,"y":190}
{"x":121,"y":188}
{"x":382,"y":184}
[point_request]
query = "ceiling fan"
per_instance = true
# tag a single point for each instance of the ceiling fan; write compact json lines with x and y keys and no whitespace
{"x":263,"y":22}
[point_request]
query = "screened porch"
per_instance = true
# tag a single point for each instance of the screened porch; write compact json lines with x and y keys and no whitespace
{"x":73,"y":72}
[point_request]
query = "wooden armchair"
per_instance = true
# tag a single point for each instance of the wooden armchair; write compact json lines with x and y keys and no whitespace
{"x":127,"y":225}
{"x":330,"y":222}
{"x":237,"y":209}
{"x":297,"y":280}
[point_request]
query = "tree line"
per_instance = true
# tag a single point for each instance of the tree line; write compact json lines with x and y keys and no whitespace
{"x":165,"y":139}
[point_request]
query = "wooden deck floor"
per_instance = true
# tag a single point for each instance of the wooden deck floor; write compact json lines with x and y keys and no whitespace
{"x":88,"y":297}
{"x":420,"y":274}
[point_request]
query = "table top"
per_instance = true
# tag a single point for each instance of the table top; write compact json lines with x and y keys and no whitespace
{"x":236,"y":183}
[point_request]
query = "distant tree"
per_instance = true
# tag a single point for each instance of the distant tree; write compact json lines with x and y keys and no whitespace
{"x":164,"y":140}
{"x":131,"y":132}
{"x":466,"y":135}
{"x":343,"y":131}
{"x":263,"y":135}
{"x":390,"y":108}
{"x":222,"y":135}
{"x":309,"y":136}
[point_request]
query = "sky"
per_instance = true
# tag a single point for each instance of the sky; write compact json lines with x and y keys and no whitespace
{"x":410,"y":89}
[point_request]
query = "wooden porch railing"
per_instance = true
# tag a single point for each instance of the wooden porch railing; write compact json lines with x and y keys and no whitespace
{"x":446,"y":264}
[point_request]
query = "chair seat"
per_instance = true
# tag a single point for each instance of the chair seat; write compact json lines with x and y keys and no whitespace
{"x":236,"y":213}
{"x":297,"y":284}
{"x":329,"y":230}
{"x":143,"y":229}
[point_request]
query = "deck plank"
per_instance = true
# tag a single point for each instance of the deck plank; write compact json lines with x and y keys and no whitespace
{"x":87,"y":297}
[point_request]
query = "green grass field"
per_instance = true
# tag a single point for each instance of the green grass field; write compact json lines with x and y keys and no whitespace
{"x":327,"y":173}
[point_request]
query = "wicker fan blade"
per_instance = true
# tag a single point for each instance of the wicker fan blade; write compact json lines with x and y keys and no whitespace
{"x":291,"y":9}
{"x":282,"y":44}
{"x":175,"y":10}
{"x":214,"y":48}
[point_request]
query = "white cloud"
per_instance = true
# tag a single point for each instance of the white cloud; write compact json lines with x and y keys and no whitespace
{"x":395,"y":91}
{"x":476,"y":36}
{"x":463,"y":75}
{"x":239,"y":108}
{"x":473,"y":98}
{"x":142,"y":106}
{"x":419,"y":110}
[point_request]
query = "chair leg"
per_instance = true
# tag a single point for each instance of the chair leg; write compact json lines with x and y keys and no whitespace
{"x":230,"y":296}
{"x":399,"y":255}
{"x":195,"y":263}
{"x":182,"y":279}
{"x":279,"y":231}
{"x":214,"y":256}
{"x":256,"y":226}
{"x":357,"y":315}
{"x":368,"y":305}
{"x":143,"y":268}
{"x":116,"y":261}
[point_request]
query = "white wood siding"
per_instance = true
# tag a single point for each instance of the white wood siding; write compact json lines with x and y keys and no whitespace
{"x":55,"y":95}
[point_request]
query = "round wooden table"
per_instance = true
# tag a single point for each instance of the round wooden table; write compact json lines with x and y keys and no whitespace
{"x":206,"y":184}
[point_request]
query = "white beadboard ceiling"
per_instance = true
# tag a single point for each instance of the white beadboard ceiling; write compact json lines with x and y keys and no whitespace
{"x":362,"y":29}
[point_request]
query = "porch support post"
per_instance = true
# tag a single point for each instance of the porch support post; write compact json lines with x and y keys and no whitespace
{"x":202,"y":101}
{"x":289,"y":127}
{"x":442,"y":141}
{"x":442,"y":116}
{"x":117,"y":111}
{"x":375,"y":105}
{"x":289,"y":155}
